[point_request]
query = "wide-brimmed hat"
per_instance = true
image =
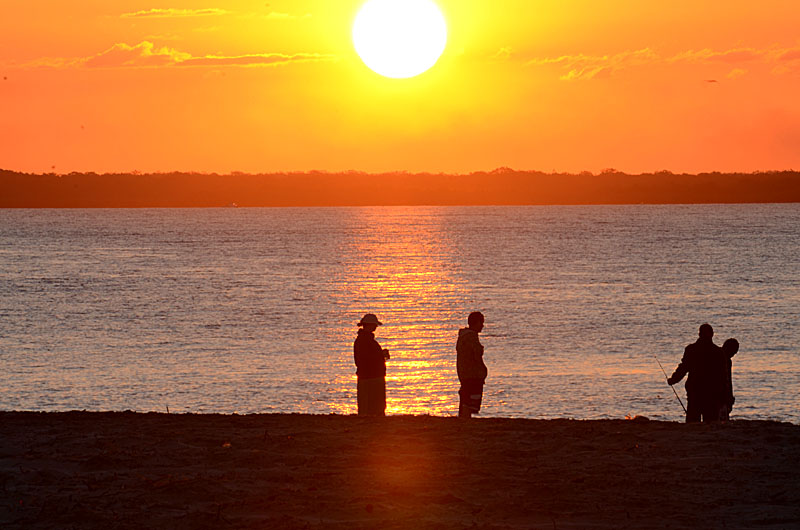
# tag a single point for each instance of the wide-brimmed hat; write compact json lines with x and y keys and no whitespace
{"x":369,"y":318}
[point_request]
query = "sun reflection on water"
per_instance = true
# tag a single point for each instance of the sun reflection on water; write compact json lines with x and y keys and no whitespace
{"x":410,"y":281}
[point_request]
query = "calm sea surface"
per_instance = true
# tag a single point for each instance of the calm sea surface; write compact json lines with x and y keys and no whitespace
{"x":255,"y":310}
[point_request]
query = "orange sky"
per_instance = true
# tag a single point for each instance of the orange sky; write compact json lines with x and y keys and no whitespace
{"x":568,"y":85}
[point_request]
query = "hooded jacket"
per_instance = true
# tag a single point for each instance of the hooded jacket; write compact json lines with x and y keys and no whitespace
{"x":469,"y":360}
{"x":705,"y":363}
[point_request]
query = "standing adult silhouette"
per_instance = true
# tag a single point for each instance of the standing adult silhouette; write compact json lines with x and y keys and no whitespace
{"x":706,"y":386}
{"x":370,"y":361}
{"x":471,"y":369}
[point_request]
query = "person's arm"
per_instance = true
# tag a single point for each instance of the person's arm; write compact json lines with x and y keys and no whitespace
{"x":682,"y":369}
{"x":379,"y":353}
{"x":356,"y":356}
{"x":477,"y":350}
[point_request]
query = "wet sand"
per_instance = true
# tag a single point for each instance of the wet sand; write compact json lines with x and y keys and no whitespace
{"x":128,"y":470}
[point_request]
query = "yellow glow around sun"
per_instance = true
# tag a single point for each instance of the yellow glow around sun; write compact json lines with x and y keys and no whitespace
{"x":399,"y":38}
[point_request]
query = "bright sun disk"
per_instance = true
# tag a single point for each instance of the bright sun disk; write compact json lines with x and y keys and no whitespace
{"x":399,"y":38}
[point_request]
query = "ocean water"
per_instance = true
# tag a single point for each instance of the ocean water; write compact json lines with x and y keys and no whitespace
{"x":255,"y":310}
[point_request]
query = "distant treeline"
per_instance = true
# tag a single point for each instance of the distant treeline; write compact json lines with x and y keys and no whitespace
{"x":501,"y":186}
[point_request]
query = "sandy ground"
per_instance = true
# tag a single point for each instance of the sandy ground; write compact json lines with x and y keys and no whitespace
{"x":127,"y":470}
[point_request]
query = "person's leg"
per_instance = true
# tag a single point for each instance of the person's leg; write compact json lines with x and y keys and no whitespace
{"x":380,"y":397}
{"x":470,"y":396}
{"x":710,"y":411}
{"x":693,"y":410}
{"x":462,"y":409}
{"x":361,"y":389}
{"x":374,"y":392}
{"x":476,"y":396}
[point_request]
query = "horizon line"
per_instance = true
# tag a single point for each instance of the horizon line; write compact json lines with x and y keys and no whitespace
{"x":496,"y":171}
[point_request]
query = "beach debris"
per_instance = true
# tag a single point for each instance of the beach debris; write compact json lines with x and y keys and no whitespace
{"x":636,"y":418}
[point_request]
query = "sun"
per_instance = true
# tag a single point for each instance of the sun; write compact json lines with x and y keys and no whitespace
{"x":399,"y":38}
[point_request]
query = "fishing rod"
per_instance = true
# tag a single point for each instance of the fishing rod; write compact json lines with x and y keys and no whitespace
{"x":672,"y":387}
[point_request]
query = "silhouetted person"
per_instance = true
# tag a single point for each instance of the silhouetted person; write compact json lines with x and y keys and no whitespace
{"x":370,"y":361}
{"x":706,"y":385}
{"x":471,"y":369}
{"x":729,"y":348}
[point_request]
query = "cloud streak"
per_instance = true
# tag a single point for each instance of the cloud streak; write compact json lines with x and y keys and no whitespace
{"x":736,"y":55}
{"x":148,"y":55}
{"x":143,"y":54}
{"x":589,"y":66}
{"x":586,"y":67}
{"x":275,"y":15}
{"x":172,"y":12}
{"x":264,"y":59}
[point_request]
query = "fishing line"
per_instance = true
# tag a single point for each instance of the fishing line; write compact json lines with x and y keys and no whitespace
{"x":672,"y":387}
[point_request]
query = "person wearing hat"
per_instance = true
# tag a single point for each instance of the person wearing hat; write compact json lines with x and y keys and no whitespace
{"x":470,"y":366}
{"x":370,"y":361}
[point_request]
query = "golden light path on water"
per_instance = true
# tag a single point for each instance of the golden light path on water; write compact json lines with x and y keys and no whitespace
{"x":411,"y":282}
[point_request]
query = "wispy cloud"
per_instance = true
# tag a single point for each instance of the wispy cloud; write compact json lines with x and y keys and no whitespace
{"x":262,"y":59}
{"x":275,"y":15}
{"x":591,"y":66}
{"x":147,"y":54}
{"x":172,"y":12}
{"x":503,"y":53}
{"x":585,"y":67}
{"x":736,"y":73}
{"x":143,"y":54}
{"x":789,"y":55}
{"x":735,"y":55}
{"x":256,"y":18}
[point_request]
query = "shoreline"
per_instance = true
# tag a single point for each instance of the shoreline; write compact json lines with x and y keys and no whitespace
{"x":134,"y":470}
{"x":677,"y":418}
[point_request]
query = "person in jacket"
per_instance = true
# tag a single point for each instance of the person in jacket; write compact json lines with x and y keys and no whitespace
{"x":469,"y":364}
{"x":706,"y":385}
{"x":729,"y":348}
{"x":370,"y":361}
